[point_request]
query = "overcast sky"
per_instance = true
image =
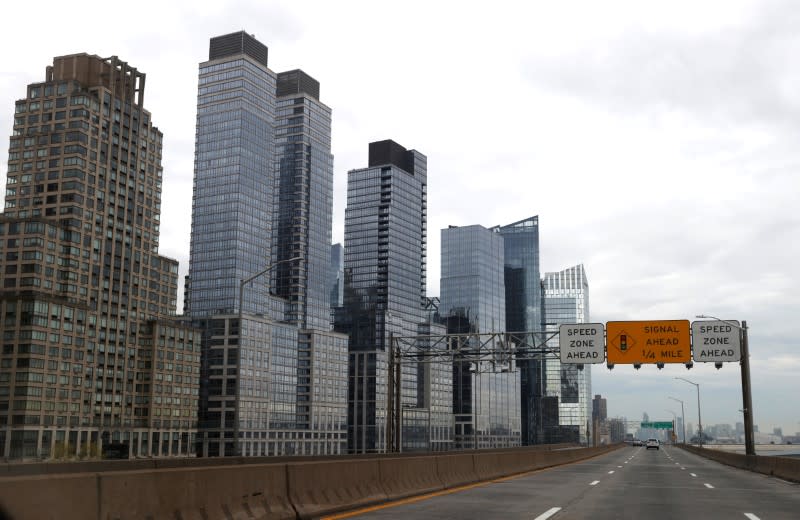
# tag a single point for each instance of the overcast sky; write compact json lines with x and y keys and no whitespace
{"x":657,"y":142}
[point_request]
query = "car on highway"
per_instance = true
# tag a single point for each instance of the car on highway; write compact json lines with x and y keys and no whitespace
{"x":652,"y":443}
{"x":637,"y":442}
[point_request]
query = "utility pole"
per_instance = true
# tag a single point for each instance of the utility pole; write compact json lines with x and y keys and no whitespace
{"x":747,"y":398}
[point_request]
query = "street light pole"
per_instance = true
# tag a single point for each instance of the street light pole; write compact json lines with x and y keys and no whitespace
{"x":699,"y":420}
{"x":747,"y":396}
{"x":683,"y":418}
{"x":237,"y":407}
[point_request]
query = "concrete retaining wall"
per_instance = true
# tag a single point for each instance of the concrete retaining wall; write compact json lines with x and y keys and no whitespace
{"x":265,"y":491}
{"x":787,"y":468}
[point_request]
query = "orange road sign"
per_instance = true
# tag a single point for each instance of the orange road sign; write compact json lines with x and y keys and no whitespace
{"x":663,"y":341}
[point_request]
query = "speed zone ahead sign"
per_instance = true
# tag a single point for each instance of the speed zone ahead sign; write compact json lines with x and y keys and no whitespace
{"x":581,"y":343}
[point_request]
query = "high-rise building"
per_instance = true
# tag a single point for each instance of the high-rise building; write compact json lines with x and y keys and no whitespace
{"x":92,"y":358}
{"x":599,"y":408}
{"x":273,"y":371}
{"x":486,"y":399}
{"x":304,"y":209}
{"x":566,"y":300}
{"x":336,"y":276}
{"x":384,"y":269}
{"x":524,"y":314}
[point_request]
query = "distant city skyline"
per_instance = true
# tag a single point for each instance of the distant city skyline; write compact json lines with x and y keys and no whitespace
{"x":674,"y":188}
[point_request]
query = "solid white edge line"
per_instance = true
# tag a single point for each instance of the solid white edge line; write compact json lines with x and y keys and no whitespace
{"x":594,"y":483}
{"x":547,"y":514}
{"x":751,"y":516}
{"x":709,"y":486}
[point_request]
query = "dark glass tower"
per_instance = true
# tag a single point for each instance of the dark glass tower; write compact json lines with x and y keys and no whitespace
{"x":473,"y":299}
{"x":234,"y":180}
{"x":524,"y":313}
{"x":384,"y":264}
{"x":304,"y":209}
{"x":273,"y":371}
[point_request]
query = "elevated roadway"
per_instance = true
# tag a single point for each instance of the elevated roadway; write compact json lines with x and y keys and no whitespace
{"x":630,"y":483}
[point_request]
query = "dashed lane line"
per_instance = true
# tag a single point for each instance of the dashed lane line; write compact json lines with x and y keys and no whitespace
{"x":547,"y":514}
{"x":709,"y":486}
{"x":594,"y":482}
{"x":692,"y":474}
{"x":611,"y":472}
{"x":751,"y":516}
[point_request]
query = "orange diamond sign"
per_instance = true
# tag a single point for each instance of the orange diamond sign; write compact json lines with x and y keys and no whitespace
{"x":663,"y":341}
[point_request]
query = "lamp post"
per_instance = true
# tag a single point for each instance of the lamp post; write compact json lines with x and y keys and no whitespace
{"x":674,"y":420}
{"x":242,"y":283}
{"x":683,"y":418}
{"x":699,"y":420}
{"x":747,"y":397}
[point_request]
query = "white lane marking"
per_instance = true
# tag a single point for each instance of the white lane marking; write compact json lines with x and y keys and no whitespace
{"x":709,"y":486}
{"x":626,"y":462}
{"x":619,"y":466}
{"x":610,"y":472}
{"x":683,"y":468}
{"x":547,"y":514}
{"x":692,"y":474}
{"x":594,"y":483}
{"x":751,"y":516}
{"x":677,"y":463}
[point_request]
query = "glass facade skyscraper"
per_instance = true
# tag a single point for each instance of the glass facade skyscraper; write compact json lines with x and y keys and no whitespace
{"x":566,"y":300}
{"x":384,"y":269}
{"x":274,"y":384}
{"x":524,"y":314}
{"x":336,"y":276}
{"x":234,"y":180}
{"x":303,"y":213}
{"x":486,"y":403}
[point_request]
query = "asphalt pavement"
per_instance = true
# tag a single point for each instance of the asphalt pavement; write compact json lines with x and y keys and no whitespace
{"x":627,"y":483}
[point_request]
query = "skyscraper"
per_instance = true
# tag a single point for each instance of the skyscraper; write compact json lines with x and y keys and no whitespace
{"x":384,"y":263}
{"x":566,"y":300}
{"x":599,"y":408}
{"x":273,"y":371}
{"x":486,"y":402}
{"x":234,"y":178}
{"x":524,"y":314}
{"x":305,"y":200}
{"x":336,"y":276}
{"x":91,"y":355}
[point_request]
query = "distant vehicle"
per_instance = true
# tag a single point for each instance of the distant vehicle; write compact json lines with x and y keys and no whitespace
{"x":637,"y":442}
{"x":652,"y":443}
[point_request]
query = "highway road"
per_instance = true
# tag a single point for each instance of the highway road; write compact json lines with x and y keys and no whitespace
{"x":628,"y":483}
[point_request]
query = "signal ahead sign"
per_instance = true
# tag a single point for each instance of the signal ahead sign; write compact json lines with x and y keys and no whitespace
{"x":664,"y":341}
{"x":581,"y":343}
{"x":716,"y":341}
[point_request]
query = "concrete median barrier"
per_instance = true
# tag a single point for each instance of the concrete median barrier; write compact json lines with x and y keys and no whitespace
{"x":225,"y":492}
{"x":787,"y":468}
{"x":318,"y":488}
{"x":456,"y":470}
{"x":407,"y":476}
{"x":50,"y":497}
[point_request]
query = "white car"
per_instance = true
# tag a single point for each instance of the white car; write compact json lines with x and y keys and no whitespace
{"x":652,"y":443}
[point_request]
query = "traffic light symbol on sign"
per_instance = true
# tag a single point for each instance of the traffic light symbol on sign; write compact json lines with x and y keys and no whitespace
{"x":623,"y":342}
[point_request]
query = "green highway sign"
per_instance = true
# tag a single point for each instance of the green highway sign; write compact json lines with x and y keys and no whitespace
{"x":658,"y":425}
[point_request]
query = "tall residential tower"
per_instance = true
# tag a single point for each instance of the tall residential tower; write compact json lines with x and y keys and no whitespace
{"x":273,"y":371}
{"x":385,"y":236}
{"x":91,"y":355}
